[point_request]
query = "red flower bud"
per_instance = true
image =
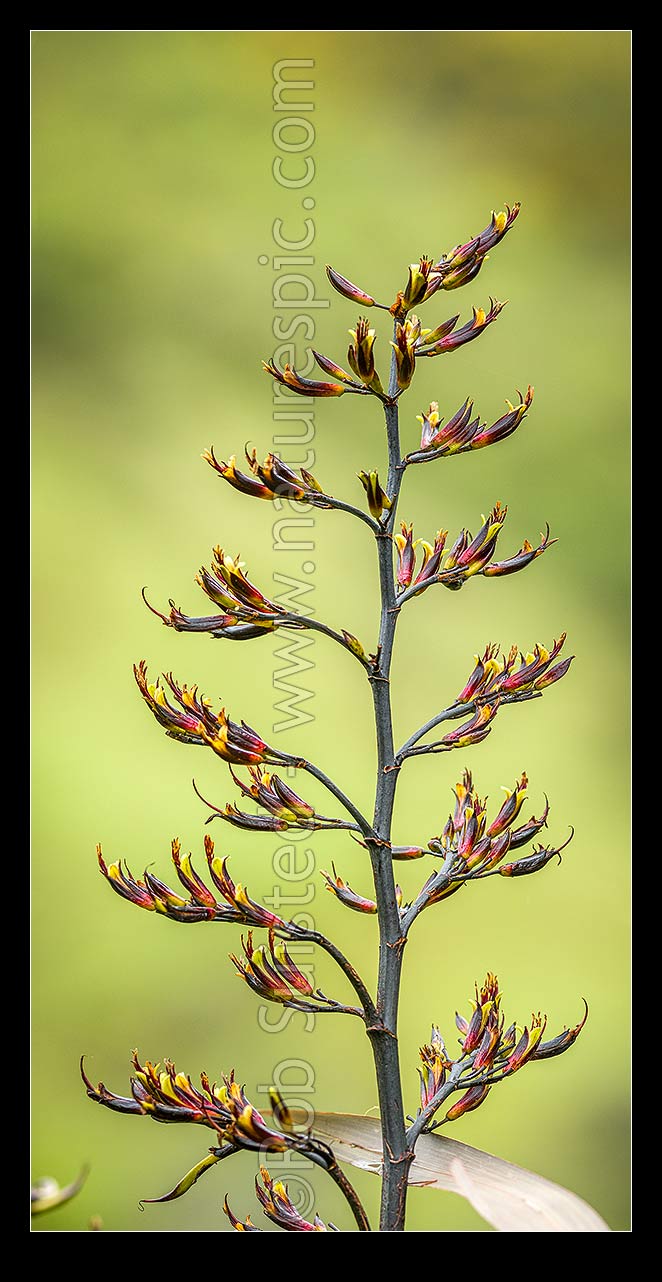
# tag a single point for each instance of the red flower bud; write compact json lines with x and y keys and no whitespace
{"x":343,"y":891}
{"x":446,"y":338}
{"x":307,"y":386}
{"x":469,"y":1101}
{"x":348,"y":290}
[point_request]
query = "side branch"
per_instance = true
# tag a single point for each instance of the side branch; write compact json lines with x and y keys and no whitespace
{"x":300,"y":621}
{"x":454,"y":713}
{"x":434,"y":885}
{"x":315,"y":937}
{"x":341,"y":506}
{"x":301,"y":764}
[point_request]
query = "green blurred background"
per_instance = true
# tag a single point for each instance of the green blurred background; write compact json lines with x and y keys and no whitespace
{"x":153,"y":200}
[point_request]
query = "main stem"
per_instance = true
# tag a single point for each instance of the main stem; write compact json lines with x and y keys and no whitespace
{"x":383,"y":1035}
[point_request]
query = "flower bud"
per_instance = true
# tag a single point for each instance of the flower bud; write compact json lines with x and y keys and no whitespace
{"x":343,"y":891}
{"x":469,"y":1101}
{"x":378,"y":501}
{"x":361,"y":358}
{"x":348,"y":290}
{"x":406,"y":339}
{"x":307,"y":386}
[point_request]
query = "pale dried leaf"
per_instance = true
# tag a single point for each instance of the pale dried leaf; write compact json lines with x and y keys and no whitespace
{"x":47,"y":1193}
{"x":510,"y":1198}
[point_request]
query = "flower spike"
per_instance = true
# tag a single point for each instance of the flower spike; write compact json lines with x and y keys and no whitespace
{"x":463,"y":263}
{"x":470,"y":847}
{"x":193,"y":722}
{"x":470,"y":556}
{"x":247,"y":612}
{"x":169,"y":1096}
{"x":272,"y":974}
{"x":285,"y":809}
{"x":488,"y":1054}
{"x":152,"y":894}
{"x":462,"y":432}
{"x":271,"y":479}
{"x":493,"y":676}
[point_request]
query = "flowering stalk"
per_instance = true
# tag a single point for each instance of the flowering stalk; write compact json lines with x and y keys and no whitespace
{"x":472,"y":844}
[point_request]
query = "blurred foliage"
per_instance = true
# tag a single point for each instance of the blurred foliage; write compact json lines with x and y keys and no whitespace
{"x":153,"y":200}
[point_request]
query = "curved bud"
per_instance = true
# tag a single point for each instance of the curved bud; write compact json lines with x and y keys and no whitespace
{"x":305,"y":386}
{"x":343,"y":891}
{"x":471,"y":1099}
{"x":348,"y":290}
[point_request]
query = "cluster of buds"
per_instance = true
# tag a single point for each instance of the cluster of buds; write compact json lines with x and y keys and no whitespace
{"x":425,"y":278}
{"x":191,"y":720}
{"x":162,"y":1093}
{"x":463,"y":263}
{"x":278,"y":1207}
{"x":411,"y":341}
{"x":489,"y":1053}
{"x":168,"y":1096}
{"x":247,"y":612}
{"x":467,"y":557}
{"x":494,"y":678}
{"x":271,"y":480}
{"x":343,"y":891}
{"x":471,"y":848}
{"x":154,"y":895}
{"x":273,"y":975}
{"x":458,"y":267}
{"x":462,"y":432}
{"x":284,"y":808}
